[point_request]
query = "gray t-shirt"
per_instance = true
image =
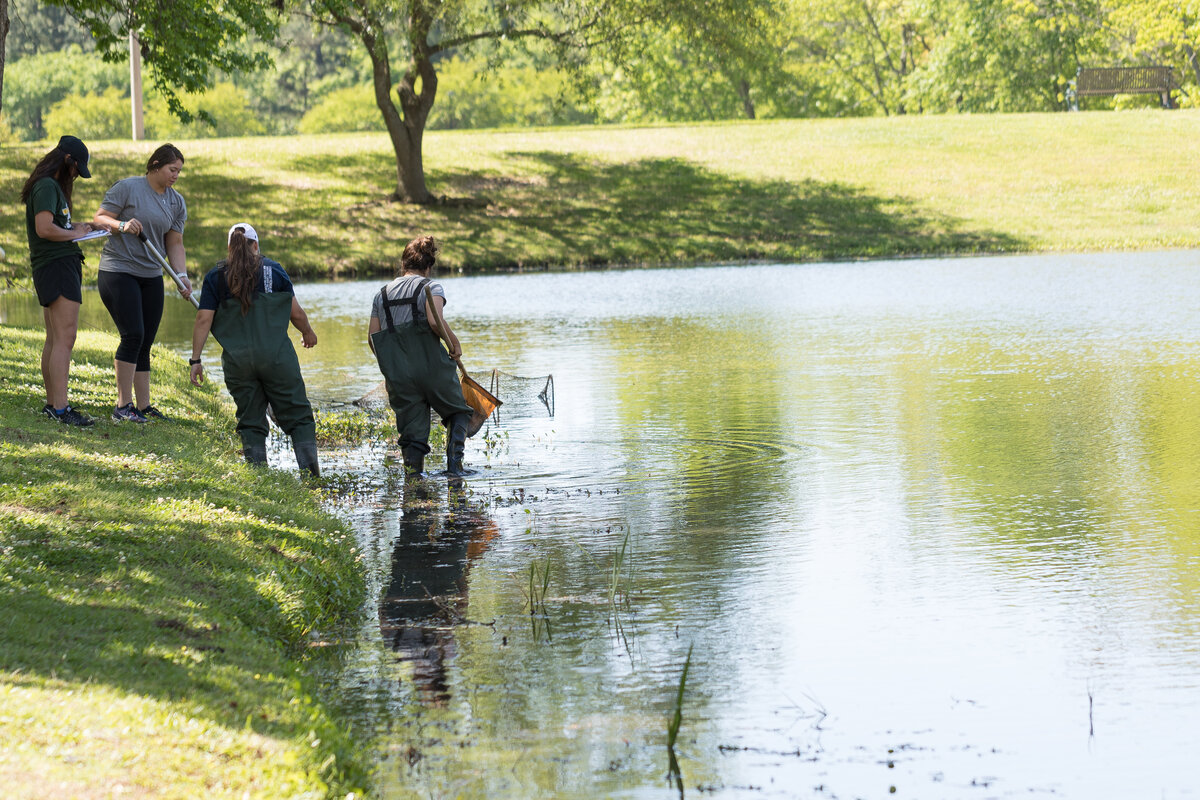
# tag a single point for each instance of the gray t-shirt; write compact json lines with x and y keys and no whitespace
{"x":158,"y":213}
{"x":403,"y":287}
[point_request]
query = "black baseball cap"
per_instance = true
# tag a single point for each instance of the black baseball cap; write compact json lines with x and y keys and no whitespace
{"x":78,"y":151}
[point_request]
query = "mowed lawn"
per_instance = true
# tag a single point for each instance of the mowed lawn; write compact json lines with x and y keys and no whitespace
{"x":793,"y":190}
{"x":159,"y":600}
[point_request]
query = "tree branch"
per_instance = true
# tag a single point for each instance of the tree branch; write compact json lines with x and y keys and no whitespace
{"x":514,"y":33}
{"x":878,"y":36}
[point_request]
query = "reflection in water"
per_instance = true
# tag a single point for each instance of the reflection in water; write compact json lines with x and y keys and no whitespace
{"x":425,"y":599}
{"x":928,"y":525}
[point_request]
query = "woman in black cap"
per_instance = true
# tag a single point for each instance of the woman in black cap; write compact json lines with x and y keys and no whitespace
{"x":57,"y":266}
{"x":131,"y":280}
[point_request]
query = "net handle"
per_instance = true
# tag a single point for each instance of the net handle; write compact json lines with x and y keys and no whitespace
{"x":440,"y":322}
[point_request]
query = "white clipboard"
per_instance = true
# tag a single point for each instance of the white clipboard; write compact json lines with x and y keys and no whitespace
{"x":100,"y":233}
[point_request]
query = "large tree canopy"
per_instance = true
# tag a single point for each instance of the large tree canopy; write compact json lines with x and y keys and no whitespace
{"x":698,"y":68}
{"x":185,"y":42}
{"x":39,"y":28}
{"x":415,"y":34}
{"x":412,"y":64}
{"x":872,"y":47}
{"x":1160,"y":31}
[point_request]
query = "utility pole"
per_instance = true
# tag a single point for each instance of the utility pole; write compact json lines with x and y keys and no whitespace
{"x":135,"y":85}
{"x":3,"y":44}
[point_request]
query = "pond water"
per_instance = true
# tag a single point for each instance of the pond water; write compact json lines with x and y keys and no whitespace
{"x":925,"y":527}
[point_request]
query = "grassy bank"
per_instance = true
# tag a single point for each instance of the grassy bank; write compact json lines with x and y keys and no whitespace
{"x":158,"y":600}
{"x":782,"y":190}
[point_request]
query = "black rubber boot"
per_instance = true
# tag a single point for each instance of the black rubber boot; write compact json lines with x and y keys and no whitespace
{"x":414,"y":459}
{"x":306,"y":457}
{"x":456,"y":443}
{"x":255,"y":454}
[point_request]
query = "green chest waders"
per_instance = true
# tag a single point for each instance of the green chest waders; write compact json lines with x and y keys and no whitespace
{"x":419,"y":375}
{"x":261,"y":369}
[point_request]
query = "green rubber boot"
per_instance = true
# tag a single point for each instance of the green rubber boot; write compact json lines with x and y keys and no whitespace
{"x":456,"y":443}
{"x":414,"y":460}
{"x":255,"y":454}
{"x":306,"y":457}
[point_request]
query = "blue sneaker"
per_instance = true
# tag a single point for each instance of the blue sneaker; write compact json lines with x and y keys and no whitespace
{"x":127,"y":413}
{"x":68,"y":416}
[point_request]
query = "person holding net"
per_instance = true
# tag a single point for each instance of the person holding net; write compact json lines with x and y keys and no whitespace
{"x":131,"y":279}
{"x":404,"y":332}
{"x":247,"y":302}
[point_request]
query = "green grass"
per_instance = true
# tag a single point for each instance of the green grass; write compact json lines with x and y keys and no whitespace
{"x":791,"y":190}
{"x":159,"y":600}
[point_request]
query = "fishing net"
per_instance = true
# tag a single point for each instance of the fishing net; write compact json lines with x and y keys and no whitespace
{"x":482,"y":402}
{"x":374,"y":400}
{"x":523,"y":396}
{"x":519,"y":395}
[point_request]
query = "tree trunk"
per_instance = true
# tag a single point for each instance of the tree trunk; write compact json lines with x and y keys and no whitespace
{"x":1193,"y":61}
{"x":410,"y":169}
{"x":3,"y":41}
{"x":747,"y":102}
{"x":405,"y":125}
{"x":407,"y":134}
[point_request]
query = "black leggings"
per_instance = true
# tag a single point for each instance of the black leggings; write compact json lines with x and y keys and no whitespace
{"x":136,"y":306}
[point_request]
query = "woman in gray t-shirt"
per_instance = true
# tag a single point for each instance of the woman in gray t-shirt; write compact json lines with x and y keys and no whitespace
{"x":131,"y":279}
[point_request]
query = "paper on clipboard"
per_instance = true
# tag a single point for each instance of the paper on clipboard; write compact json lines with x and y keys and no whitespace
{"x":96,"y":234}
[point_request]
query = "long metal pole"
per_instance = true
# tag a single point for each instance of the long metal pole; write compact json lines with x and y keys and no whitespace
{"x":166,"y":265}
{"x":135,"y":86}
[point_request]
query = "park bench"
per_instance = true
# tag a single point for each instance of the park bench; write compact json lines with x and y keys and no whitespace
{"x":1108,"y":81}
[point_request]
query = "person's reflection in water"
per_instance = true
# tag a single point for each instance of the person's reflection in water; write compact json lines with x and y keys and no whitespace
{"x":427,"y":595}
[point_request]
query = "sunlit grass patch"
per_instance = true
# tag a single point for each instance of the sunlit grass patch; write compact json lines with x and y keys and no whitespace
{"x":86,"y":741}
{"x":159,"y":596}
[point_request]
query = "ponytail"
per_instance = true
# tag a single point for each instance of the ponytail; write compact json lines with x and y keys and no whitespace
{"x":241,"y":268}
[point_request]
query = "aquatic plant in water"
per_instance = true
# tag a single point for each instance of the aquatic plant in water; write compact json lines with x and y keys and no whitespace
{"x":494,"y":442}
{"x":539,"y":585}
{"x":674,"y":776}
{"x":618,"y":591}
{"x":618,"y":595}
{"x":351,"y":427}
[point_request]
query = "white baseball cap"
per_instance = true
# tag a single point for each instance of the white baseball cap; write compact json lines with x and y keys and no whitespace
{"x":251,"y":234}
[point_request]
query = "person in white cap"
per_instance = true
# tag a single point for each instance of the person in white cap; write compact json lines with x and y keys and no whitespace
{"x":247,"y":302}
{"x":57,"y":266}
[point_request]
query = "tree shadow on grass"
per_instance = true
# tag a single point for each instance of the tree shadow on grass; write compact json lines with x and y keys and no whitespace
{"x":329,"y":215}
{"x":672,"y":210}
{"x":551,"y":209}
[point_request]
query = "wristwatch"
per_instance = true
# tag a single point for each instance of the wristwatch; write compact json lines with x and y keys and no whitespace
{"x":121,"y":227}
{"x":193,"y":362}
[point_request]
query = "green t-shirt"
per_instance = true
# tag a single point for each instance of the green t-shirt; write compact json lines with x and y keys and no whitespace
{"x":47,"y":195}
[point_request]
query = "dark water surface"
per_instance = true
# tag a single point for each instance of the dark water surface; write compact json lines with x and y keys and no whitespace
{"x":930,"y":525}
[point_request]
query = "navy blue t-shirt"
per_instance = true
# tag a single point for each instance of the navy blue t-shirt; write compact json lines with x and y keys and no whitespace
{"x":215,"y":289}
